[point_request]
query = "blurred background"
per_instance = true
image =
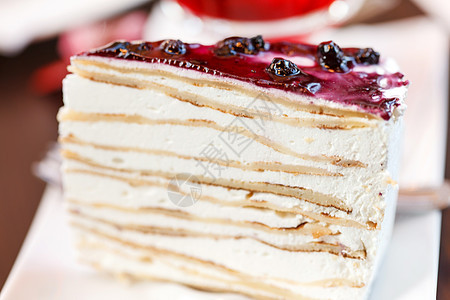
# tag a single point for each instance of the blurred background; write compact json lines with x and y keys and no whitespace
{"x":37,"y":38}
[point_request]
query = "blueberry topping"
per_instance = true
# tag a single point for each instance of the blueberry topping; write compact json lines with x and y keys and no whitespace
{"x":174,"y":47}
{"x":258,"y":42}
{"x":234,"y":45}
{"x":128,"y":50}
{"x":120,"y":49}
{"x":330,"y":78}
{"x":367,"y":56}
{"x":331,"y":57}
{"x":143,"y":47}
{"x":283,"y":68}
{"x":313,"y":87}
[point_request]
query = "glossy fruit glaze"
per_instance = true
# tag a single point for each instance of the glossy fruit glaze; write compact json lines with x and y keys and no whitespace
{"x":350,"y":76}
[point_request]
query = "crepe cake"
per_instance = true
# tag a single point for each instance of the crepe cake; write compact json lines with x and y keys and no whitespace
{"x":264,"y":169}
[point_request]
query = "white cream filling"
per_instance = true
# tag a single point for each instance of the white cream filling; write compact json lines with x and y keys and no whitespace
{"x":174,"y":269}
{"x":94,"y":188}
{"x":360,"y":193}
{"x":351,"y":238}
{"x":249,"y":256}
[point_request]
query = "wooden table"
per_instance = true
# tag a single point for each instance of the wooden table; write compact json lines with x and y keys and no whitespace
{"x":28,"y":126}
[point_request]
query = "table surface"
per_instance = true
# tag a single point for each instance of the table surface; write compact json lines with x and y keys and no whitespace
{"x":27,"y":128}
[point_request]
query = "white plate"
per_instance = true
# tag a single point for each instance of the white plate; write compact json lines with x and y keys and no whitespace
{"x":46,"y":266}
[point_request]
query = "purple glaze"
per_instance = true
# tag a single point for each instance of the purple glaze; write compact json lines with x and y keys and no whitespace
{"x":350,"y":88}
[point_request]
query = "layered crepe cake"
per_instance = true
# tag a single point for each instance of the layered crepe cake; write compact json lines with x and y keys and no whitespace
{"x":264,"y":169}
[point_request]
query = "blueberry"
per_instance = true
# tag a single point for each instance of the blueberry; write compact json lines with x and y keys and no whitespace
{"x":121,"y":49}
{"x":313,"y":87}
{"x":117,"y":46}
{"x":331,"y":57}
{"x":143,"y":47}
{"x":367,"y":56}
{"x":283,"y":68}
{"x":173,"y":47}
{"x":234,"y":45}
{"x":258,"y":42}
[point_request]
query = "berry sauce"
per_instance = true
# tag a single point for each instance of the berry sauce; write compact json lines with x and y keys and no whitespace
{"x":296,"y":68}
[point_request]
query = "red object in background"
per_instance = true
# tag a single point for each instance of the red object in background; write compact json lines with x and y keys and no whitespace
{"x":254,"y":10}
{"x":127,"y":27}
{"x":49,"y":78}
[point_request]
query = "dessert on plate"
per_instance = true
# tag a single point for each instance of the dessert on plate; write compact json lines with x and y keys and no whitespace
{"x":265,"y":169}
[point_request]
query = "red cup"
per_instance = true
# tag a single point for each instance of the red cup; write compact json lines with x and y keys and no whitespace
{"x":254,"y":10}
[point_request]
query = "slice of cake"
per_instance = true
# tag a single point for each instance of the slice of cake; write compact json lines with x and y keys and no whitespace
{"x":262,"y":169}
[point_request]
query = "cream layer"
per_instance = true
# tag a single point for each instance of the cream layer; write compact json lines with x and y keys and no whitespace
{"x":112,"y":195}
{"x":103,"y":98}
{"x":88,"y":185}
{"x":243,"y":256}
{"x":351,"y":239}
{"x":268,"y":196}
{"x":287,"y":240}
{"x":361,"y":198}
